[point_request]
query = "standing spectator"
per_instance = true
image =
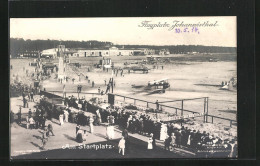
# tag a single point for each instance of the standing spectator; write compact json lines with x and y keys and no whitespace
{"x":93,"y":84}
{"x":66,"y":115}
{"x":79,"y":136}
{"x":91,"y":120}
{"x":24,"y":102}
{"x":61,"y":119}
{"x":154,"y":142}
{"x":29,"y":97}
{"x":27,"y":122}
{"x":108,"y":88}
{"x":44,"y":138}
{"x":178,"y":138}
{"x":43,"y":121}
{"x":37,"y":121}
{"x":19,"y":115}
{"x":31,"y":121}
{"x":32,"y":99}
{"x":50,"y":129}
{"x":167,"y":142}
{"x":157,"y":104}
{"x":125,"y":135}
{"x":105,"y":82}
{"x":192,"y":139}
{"x":98,"y":90}
{"x":172,"y":141}
{"x":99,"y":120}
{"x":121,"y":146}
{"x":77,"y":128}
{"x":85,"y":135}
{"x":150,"y":142}
{"x":102,"y":92}
{"x":110,"y":132}
{"x":30,"y":112}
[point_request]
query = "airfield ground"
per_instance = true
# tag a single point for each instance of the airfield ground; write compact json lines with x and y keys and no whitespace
{"x":189,"y":76}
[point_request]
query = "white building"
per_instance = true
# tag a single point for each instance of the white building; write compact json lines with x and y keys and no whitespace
{"x":51,"y":53}
{"x":97,"y":52}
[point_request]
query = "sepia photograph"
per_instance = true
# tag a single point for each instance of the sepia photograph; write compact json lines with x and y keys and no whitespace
{"x":123,"y":87}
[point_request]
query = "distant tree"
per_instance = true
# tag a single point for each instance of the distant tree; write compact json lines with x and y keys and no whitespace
{"x":18,"y":45}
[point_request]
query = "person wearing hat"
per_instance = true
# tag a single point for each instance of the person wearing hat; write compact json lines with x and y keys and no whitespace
{"x":66,"y":115}
{"x":192,"y":139}
{"x":125,"y":135}
{"x":85,"y":135}
{"x":141,"y":126}
{"x":167,"y":142}
{"x":50,"y":129}
{"x":77,"y":128}
{"x":61,"y":118}
{"x":91,"y":126}
{"x":172,"y":142}
{"x":44,"y":138}
{"x":189,"y":137}
{"x":150,"y":142}
{"x":121,"y":146}
{"x":178,"y":138}
{"x":79,"y":136}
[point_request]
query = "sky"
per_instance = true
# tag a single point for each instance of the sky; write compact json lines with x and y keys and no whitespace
{"x":128,"y":30}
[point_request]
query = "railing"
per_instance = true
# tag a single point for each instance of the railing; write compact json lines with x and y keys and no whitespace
{"x":205,"y":117}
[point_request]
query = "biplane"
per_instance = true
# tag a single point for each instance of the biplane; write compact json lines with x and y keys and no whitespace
{"x":143,"y":69}
{"x":160,"y":85}
{"x":156,"y":86}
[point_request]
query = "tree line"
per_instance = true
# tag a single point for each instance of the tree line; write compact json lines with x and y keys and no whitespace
{"x":19,"y":45}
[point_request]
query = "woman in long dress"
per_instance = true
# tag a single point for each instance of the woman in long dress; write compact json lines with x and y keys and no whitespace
{"x":121,"y":146}
{"x":110,"y":132}
{"x":150,"y":143}
{"x":91,"y":120}
{"x":79,"y":136}
{"x":172,"y":142}
{"x":66,"y":115}
{"x":61,"y":119}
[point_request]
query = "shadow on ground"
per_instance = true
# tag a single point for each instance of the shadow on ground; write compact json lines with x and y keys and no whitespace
{"x":137,"y":149}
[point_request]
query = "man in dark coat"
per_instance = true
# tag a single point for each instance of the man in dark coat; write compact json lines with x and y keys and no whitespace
{"x":77,"y":128}
{"x":184,"y":137}
{"x":154,"y":142}
{"x":178,"y":138}
{"x":43,"y":120}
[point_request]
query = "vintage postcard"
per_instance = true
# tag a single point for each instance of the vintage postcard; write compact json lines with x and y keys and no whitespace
{"x":114,"y":88}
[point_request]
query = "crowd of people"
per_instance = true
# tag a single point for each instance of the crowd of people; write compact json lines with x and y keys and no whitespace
{"x":130,"y":121}
{"x":177,"y":136}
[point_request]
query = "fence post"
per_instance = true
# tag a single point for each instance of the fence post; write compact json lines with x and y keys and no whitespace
{"x":147,"y":105}
{"x":212,"y":119}
{"x":230,"y":123}
{"x":207,"y":109}
{"x":204,"y":120}
{"x":52,"y":98}
{"x":124,"y":99}
{"x":182,"y":108}
{"x":176,"y":111}
{"x":134,"y":101}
